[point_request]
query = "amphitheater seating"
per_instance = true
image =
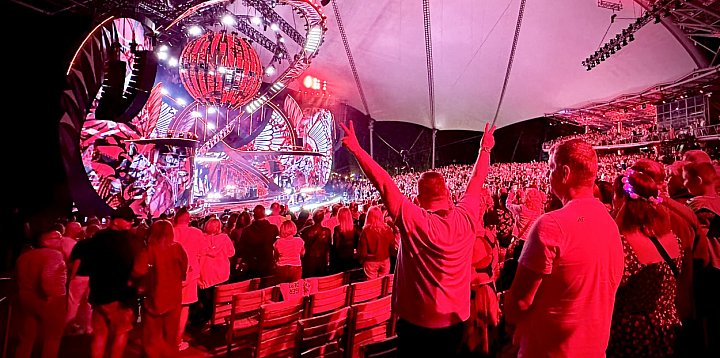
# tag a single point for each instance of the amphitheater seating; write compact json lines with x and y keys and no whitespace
{"x":278,"y":329}
{"x":325,"y":301}
{"x":323,"y":331}
{"x":335,"y":321}
{"x":244,"y":318}
{"x":370,"y":322}
{"x":223,"y":298}
{"x":333,"y":281}
{"x":330,"y":350}
{"x":385,"y":348}
{"x":367,"y":290}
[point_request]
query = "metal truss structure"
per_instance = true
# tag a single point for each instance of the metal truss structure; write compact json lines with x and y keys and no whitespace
{"x":640,"y":108}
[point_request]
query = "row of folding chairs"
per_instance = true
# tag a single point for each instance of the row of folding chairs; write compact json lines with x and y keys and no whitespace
{"x":224,"y":293}
{"x":282,"y":332}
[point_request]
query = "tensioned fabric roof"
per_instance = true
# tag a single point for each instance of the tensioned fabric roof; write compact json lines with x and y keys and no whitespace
{"x":471,"y":44}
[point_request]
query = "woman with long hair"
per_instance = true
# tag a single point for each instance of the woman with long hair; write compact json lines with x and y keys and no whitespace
{"x":163,"y":267}
{"x":377,"y":241}
{"x":214,"y":265}
{"x":645,"y":318}
{"x":345,"y":239}
{"x":243,"y":221}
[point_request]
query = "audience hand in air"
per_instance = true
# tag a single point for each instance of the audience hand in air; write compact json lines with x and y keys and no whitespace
{"x":350,"y":139}
{"x":488,"y":140}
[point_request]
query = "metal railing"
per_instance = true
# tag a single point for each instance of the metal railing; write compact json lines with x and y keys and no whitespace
{"x":707,"y":131}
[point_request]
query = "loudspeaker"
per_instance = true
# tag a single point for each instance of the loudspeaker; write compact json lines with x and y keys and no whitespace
{"x":121,"y":104}
{"x":112,"y":90}
{"x":141,"y":82}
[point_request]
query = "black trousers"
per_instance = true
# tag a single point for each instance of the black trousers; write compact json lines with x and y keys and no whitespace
{"x":416,"y":341}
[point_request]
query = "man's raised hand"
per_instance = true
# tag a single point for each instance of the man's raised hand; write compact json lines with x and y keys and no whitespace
{"x":350,"y":139}
{"x":488,"y":140}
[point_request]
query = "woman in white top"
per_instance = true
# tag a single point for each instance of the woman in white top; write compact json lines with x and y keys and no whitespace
{"x":214,"y":266}
{"x":289,"y":248}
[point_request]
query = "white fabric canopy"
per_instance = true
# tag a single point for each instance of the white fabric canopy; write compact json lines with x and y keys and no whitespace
{"x":471,"y":45}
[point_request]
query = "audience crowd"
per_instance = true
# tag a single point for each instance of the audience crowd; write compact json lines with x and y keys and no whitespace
{"x":577,"y":256}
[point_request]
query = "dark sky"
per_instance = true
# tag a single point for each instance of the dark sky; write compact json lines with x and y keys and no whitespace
{"x":38,"y":56}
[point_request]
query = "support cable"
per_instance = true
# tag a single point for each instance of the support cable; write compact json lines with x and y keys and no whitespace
{"x":350,"y":58}
{"x":510,"y":60}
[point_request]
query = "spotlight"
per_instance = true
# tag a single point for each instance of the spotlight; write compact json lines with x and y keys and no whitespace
{"x":163,"y":48}
{"x":162,"y":56}
{"x":195,"y":30}
{"x":212,"y":110}
{"x":181,"y":101}
{"x":195,"y":114}
{"x":173,"y":62}
{"x":256,"y":20}
{"x":210,"y":126}
{"x":164,"y":91}
{"x":270,"y":70}
{"x":228,"y":20}
{"x":274,"y":27}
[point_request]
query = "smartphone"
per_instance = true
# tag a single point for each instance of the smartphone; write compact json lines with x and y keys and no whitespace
{"x":360,"y":207}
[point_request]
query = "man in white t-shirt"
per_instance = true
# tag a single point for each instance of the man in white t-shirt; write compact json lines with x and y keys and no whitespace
{"x":431,"y":293}
{"x":563,"y":294}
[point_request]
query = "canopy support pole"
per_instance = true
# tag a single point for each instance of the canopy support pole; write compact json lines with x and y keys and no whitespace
{"x":371,"y":127}
{"x":432,"y":162}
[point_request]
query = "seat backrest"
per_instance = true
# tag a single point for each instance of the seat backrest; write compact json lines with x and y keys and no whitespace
{"x":380,"y":349}
{"x":369,"y":323}
{"x":327,"y":301}
{"x":250,"y":302}
{"x":371,"y":313}
{"x":319,"y":331}
{"x":222,"y":304}
{"x":279,"y":329}
{"x":329,"y":282}
{"x":367,"y":290}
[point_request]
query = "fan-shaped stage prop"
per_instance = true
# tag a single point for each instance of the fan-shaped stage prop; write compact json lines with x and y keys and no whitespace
{"x":146,"y":161}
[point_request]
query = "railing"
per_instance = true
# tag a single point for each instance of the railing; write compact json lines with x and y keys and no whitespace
{"x":707,"y":131}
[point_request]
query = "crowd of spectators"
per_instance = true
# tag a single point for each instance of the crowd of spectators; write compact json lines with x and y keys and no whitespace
{"x":174,"y":262}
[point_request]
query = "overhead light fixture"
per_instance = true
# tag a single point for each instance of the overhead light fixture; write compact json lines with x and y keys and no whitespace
{"x":659,"y":9}
{"x":195,"y":30}
{"x":228,"y":20}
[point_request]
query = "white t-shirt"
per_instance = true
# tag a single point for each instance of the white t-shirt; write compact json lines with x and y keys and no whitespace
{"x":579,"y":250}
{"x":432,"y":279}
{"x":193,"y":242}
{"x":289,"y":250}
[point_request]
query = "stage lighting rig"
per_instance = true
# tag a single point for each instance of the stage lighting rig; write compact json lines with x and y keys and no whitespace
{"x":658,"y":10}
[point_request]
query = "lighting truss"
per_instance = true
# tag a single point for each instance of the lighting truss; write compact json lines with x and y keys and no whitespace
{"x":656,"y":11}
{"x":614,"y":6}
